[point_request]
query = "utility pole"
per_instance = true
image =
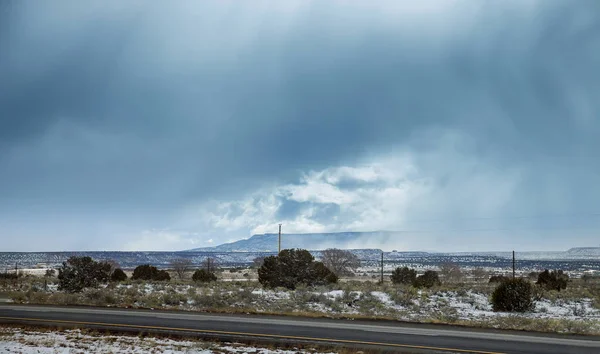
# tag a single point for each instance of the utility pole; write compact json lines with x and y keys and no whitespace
{"x":381,"y":267}
{"x":513,"y":264}
{"x":279,"y":238}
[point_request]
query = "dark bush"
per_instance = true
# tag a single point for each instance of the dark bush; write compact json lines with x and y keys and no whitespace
{"x":554,"y":280}
{"x":513,"y":295}
{"x":498,"y":278}
{"x":118,"y":275}
{"x":404,"y":275}
{"x":203,"y":276}
{"x":8,"y":276}
{"x":163,"y":275}
{"x":150,"y":272}
{"x":144,"y":272}
{"x":429,"y":279}
{"x":78,"y":273}
{"x":292,"y":267}
{"x":322,"y":275}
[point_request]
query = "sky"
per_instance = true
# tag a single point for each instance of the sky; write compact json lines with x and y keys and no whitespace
{"x":472,"y":125}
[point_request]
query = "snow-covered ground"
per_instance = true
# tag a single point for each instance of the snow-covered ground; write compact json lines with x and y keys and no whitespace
{"x":18,"y":340}
{"x":400,"y":303}
{"x":576,"y":310}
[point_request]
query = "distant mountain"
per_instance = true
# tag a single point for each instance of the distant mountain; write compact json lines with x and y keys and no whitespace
{"x":314,"y":241}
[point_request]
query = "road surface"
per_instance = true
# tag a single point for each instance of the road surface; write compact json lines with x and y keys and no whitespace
{"x":389,"y":336}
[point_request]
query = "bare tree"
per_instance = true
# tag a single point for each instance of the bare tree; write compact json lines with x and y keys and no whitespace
{"x":451,"y":271}
{"x":113,"y":265}
{"x":479,"y":273}
{"x":340,"y":262}
{"x":211,"y":264}
{"x":181,"y":266}
{"x":258,"y":261}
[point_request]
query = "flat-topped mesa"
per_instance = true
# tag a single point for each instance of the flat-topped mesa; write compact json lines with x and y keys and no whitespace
{"x":312,"y":241}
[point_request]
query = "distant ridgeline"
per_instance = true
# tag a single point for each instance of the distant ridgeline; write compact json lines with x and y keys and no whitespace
{"x":584,"y":251}
{"x":364,"y":244}
{"x":312,"y":241}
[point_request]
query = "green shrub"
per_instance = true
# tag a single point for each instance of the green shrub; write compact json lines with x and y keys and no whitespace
{"x":163,"y":275}
{"x":404,"y":297}
{"x":513,"y":295}
{"x":203,"y":276}
{"x":150,"y":272}
{"x":78,"y":273}
{"x":172,"y":298}
{"x":293,"y":267}
{"x":118,"y":275}
{"x":554,"y":280}
{"x":321,"y":275}
{"x":429,"y":279}
{"x":404,"y":276}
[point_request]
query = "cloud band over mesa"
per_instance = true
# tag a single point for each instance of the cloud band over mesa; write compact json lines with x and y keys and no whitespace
{"x":116,"y":119}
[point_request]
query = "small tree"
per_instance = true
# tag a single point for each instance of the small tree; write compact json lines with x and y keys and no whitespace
{"x":292,"y":267}
{"x":150,"y":272}
{"x":340,"y":262}
{"x":513,"y":295}
{"x":429,"y":279}
{"x":554,"y":280}
{"x":78,"y":273}
{"x":162,"y":275}
{"x":181,"y":266}
{"x":321,"y":275}
{"x":118,"y":275}
{"x":50,"y":273}
{"x":450,"y":271}
{"x":203,"y":276}
{"x":404,"y":275}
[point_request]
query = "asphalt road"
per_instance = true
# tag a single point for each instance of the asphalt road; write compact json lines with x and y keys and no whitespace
{"x":390,"y":336}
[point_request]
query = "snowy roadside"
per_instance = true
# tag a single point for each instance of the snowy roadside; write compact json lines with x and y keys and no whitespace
{"x":18,"y":340}
{"x":574,"y":310}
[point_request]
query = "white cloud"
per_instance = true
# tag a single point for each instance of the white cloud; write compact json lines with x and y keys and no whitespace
{"x":396,"y":192}
{"x":380,"y":196}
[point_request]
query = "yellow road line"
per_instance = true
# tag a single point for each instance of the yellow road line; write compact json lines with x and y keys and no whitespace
{"x":341,"y":341}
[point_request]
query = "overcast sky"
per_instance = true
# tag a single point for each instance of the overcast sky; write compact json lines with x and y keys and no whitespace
{"x":143,"y":125}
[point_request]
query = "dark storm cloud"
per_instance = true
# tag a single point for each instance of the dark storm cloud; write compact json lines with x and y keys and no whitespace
{"x":140,"y":108}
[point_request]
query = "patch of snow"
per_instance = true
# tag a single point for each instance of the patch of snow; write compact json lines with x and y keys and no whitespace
{"x":17,"y":340}
{"x":334,"y":293}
